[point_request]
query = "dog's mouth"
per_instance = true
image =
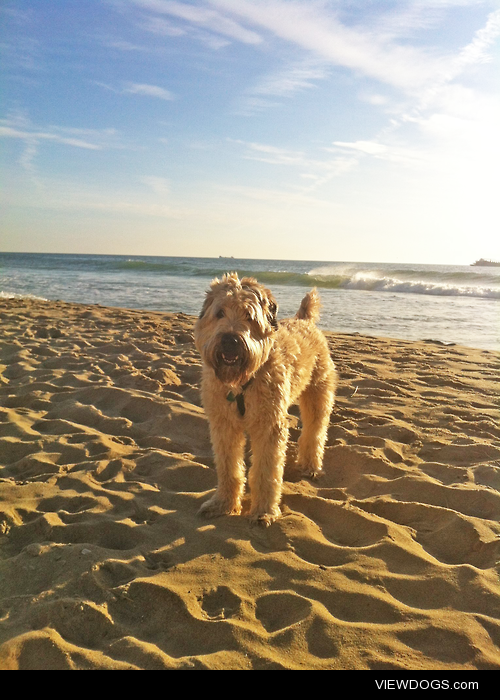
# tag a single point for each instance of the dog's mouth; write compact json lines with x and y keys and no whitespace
{"x":229,"y":359}
{"x":230,"y":352}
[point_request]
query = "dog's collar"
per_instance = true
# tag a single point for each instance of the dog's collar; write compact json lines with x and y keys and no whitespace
{"x":239,"y":398}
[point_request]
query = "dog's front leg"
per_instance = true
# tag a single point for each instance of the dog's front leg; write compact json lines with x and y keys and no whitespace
{"x":228,"y":441}
{"x":266,"y":474}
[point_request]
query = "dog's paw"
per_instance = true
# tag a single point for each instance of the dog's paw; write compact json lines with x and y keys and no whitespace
{"x":310,"y":472}
{"x":214,"y":508}
{"x":266,"y":518}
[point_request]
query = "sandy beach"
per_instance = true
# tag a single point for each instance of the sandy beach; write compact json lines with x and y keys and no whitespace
{"x":390,"y":560}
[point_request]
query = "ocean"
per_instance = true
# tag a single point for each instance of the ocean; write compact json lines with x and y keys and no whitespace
{"x":444,"y":303}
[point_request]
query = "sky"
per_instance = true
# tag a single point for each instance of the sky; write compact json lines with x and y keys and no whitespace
{"x":336,"y":130}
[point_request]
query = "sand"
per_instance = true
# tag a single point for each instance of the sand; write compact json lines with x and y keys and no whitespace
{"x":387,"y":561}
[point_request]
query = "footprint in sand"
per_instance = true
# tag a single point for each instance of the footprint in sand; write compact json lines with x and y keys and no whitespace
{"x":220,"y":603}
{"x":281,"y":609}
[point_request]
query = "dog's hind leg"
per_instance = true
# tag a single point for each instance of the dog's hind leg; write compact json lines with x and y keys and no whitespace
{"x":316,"y":403}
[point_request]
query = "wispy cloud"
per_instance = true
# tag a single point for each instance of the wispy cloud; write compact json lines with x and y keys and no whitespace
{"x":161,"y":26}
{"x":24,"y":51}
{"x":282,"y":83}
{"x":435,"y":121}
{"x":368,"y":147}
{"x":291,"y":79}
{"x":477,"y":50}
{"x":139,"y":89}
{"x":117,"y":44}
{"x":313,"y":170}
{"x":20,"y":128}
{"x":10,"y":132}
{"x":391,"y":152}
{"x":148,"y":91}
{"x":378,"y":47}
{"x":386,"y":56}
{"x":273,"y":155}
{"x":201,"y":16}
{"x":159,"y":185}
{"x":316,"y":29}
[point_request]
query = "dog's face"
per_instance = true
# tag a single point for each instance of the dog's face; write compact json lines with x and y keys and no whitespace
{"x":234,"y":332}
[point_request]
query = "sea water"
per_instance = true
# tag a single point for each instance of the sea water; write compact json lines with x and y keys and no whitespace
{"x":445,"y":303}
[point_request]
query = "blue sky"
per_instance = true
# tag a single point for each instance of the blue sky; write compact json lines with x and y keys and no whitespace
{"x":297,"y":129}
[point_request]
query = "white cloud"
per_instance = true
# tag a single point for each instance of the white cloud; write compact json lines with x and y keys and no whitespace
{"x":369,"y":147}
{"x":392,"y":151}
{"x":282,"y":83}
{"x":290,"y":79}
{"x":477,"y":50}
{"x":310,"y":26}
{"x":148,"y":90}
{"x":436,"y":124}
{"x":272,"y":154}
{"x":19,"y":127}
{"x":204,"y":17}
{"x":369,"y":51}
{"x":159,"y":185}
{"x":144,"y":89}
{"x":161,"y":26}
{"x":317,"y":170}
{"x":9,"y":132}
{"x":120,"y":44}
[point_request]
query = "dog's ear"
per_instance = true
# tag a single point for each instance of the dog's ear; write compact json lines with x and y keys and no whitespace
{"x":272,"y":312}
{"x":206,"y":304}
{"x":265,"y":299}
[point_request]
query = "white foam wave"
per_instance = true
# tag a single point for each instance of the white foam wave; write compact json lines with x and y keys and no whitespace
{"x":405,"y":282}
{"x":390,"y":284}
{"x":14,"y":295}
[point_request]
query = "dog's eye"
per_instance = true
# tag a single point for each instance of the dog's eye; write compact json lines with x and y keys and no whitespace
{"x":220,"y":313}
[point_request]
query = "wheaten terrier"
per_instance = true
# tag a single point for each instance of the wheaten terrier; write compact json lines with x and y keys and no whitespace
{"x":253,"y":369}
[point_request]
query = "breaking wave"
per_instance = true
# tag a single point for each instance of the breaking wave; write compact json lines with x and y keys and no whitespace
{"x":462,"y":284}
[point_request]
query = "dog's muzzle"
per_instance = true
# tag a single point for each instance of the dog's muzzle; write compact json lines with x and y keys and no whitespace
{"x":231,"y":349}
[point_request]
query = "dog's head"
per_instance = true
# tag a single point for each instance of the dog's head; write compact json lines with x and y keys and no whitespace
{"x":234,"y":332}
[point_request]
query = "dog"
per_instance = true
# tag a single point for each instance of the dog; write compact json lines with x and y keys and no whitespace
{"x":253,"y":370}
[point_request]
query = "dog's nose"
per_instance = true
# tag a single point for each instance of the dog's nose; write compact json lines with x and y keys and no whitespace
{"x":229,"y":342}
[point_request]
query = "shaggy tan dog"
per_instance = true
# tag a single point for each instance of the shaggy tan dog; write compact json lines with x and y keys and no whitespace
{"x":253,"y":370}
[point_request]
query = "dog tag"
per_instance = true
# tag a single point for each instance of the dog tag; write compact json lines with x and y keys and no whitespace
{"x":240,"y":401}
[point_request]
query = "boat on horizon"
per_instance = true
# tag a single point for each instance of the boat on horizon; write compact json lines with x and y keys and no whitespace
{"x":485,"y":263}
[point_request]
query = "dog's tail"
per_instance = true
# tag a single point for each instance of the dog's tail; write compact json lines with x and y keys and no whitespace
{"x":310,"y":306}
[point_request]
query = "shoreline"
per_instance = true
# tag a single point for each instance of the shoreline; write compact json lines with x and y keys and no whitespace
{"x":33,"y":299}
{"x":387,"y":561}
